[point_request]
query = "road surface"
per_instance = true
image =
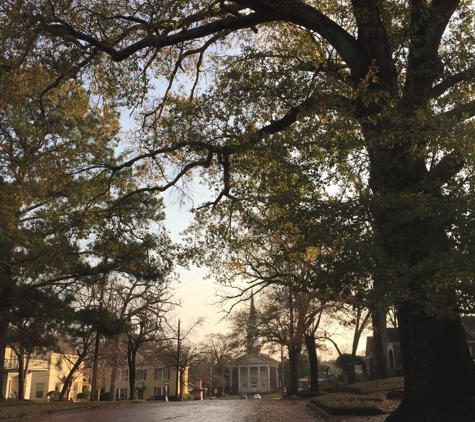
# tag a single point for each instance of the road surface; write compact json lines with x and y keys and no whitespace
{"x":252,"y":410}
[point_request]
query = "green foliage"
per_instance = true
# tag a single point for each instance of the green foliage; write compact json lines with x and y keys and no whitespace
{"x":308,"y":393}
{"x":338,"y":126}
{"x":344,"y":361}
{"x":84,"y":395}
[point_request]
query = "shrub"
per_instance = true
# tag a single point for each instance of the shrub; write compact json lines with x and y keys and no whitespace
{"x":335,"y":407}
{"x":361,"y":377}
{"x":83,"y":395}
{"x":53,"y":395}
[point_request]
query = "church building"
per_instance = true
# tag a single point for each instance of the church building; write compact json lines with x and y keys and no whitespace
{"x":254,"y":372}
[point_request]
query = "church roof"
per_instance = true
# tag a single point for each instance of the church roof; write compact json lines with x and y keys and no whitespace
{"x":249,"y":358}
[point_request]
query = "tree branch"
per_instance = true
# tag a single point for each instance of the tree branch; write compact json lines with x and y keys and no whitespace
{"x":451,"y":81}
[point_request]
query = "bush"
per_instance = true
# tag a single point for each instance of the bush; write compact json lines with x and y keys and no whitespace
{"x":83,"y":395}
{"x":361,"y":377}
{"x":335,"y":407}
{"x":308,"y":393}
{"x":104,"y":396}
{"x":53,"y":395}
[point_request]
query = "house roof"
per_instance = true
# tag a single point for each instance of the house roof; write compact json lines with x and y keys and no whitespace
{"x":393,"y":337}
{"x":193,"y":387}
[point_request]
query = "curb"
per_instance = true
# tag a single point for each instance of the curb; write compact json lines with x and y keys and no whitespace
{"x":319,"y":412}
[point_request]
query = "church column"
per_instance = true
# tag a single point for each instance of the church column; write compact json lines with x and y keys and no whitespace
{"x":268,"y":379}
{"x":239,"y":379}
{"x":248,"y":379}
{"x":259,"y":383}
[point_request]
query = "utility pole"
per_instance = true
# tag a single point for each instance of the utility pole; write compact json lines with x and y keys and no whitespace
{"x":206,"y":376}
{"x":211,"y":378}
{"x":178,"y":361}
{"x":282,"y":369}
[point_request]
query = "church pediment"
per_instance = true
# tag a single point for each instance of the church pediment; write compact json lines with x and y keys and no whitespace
{"x":256,"y":359}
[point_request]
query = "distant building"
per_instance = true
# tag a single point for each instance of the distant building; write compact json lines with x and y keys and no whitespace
{"x":152,"y":378}
{"x":45,"y":374}
{"x":254,"y":372}
{"x":393,"y":348}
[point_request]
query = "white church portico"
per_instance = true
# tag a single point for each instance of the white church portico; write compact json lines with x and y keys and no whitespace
{"x":256,"y":374}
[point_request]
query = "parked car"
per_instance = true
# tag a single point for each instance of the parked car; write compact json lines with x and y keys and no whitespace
{"x":257,"y":396}
{"x":158,"y":398}
{"x":243,"y":396}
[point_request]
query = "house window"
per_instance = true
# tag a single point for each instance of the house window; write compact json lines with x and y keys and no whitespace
{"x":162,"y":374}
{"x":122,"y":375}
{"x":40,"y":390}
{"x":121,"y":394}
{"x":141,"y":374}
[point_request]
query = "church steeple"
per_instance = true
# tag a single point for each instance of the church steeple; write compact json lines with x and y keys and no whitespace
{"x":252,"y":332}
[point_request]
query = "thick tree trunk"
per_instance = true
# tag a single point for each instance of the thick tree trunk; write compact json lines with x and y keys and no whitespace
{"x":294,"y":355}
{"x":380,"y":369}
{"x":313,"y":360}
{"x":64,"y":393}
{"x":412,"y":228}
{"x":439,"y":373}
{"x":3,"y":346}
{"x":351,"y":370}
{"x":115,"y":357}
{"x":21,"y":376}
{"x":131,"y":354}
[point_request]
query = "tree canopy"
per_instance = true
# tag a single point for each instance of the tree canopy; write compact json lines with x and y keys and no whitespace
{"x":374,"y":97}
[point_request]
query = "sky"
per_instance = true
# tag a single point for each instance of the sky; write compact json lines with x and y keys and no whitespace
{"x":195,"y":291}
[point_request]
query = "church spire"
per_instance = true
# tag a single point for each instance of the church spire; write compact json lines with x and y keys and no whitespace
{"x":252,"y":332}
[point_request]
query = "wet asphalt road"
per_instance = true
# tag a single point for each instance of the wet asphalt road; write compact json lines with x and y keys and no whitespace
{"x":196,"y":411}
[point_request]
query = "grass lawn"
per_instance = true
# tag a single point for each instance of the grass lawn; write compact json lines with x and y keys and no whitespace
{"x":10,"y":409}
{"x":364,"y":398}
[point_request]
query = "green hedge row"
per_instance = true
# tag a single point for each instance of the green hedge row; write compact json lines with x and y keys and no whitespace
{"x":308,"y":393}
{"x":335,"y":407}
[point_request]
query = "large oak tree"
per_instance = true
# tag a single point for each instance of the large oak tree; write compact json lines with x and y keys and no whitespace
{"x":383,"y":87}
